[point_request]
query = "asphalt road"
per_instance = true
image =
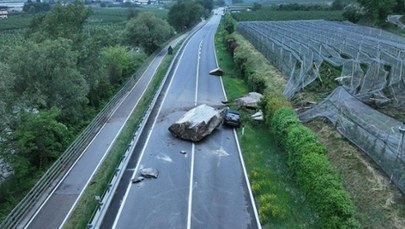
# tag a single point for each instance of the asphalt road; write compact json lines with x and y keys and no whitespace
{"x":204,"y":188}
{"x":58,"y":205}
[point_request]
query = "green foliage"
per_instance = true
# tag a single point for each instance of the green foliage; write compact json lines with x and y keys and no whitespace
{"x":62,"y":21}
{"x":256,"y":6}
{"x":268,"y":173}
{"x":117,"y":60}
{"x":42,"y":83}
{"x":183,"y":16}
{"x":257,"y":83}
{"x":313,"y":171}
{"x":306,"y":157}
{"x":325,"y":191}
{"x":208,"y":5}
{"x":229,"y":23}
{"x":39,"y":138}
{"x":36,"y":7}
{"x":281,"y":123}
{"x":301,"y":140}
{"x":377,"y":10}
{"x":147,"y":31}
{"x":301,"y":7}
{"x":271,"y":102}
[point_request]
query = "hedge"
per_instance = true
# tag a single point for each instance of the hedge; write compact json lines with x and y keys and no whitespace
{"x":306,"y":156}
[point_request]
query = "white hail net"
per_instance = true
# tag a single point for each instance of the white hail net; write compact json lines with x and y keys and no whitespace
{"x":372,"y":63}
{"x":371,"y":59}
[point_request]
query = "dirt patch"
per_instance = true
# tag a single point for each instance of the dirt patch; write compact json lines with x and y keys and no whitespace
{"x":379,"y":204}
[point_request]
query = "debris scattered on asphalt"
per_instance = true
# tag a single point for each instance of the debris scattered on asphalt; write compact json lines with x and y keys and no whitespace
{"x":137,"y":179}
{"x":217,"y":72}
{"x":183,"y":152}
{"x":149,"y":173}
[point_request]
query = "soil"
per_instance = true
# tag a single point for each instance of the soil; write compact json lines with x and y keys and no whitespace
{"x":379,"y":203}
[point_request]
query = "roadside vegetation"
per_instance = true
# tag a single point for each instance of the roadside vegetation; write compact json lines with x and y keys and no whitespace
{"x":87,"y":205}
{"x":57,"y":71}
{"x":377,"y":202}
{"x":274,"y":173}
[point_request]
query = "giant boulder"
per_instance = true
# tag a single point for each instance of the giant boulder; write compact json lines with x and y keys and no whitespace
{"x":196,"y":123}
{"x":250,"y":100}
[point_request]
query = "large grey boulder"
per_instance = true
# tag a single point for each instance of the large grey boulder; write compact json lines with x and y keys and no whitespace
{"x":197,"y":123}
{"x":251,"y":100}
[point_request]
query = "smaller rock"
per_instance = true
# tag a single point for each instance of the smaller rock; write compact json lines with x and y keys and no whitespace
{"x":137,"y":179}
{"x":258,"y":116}
{"x":183,"y":152}
{"x":250,"y":100}
{"x":149,"y":173}
{"x":217,"y":72}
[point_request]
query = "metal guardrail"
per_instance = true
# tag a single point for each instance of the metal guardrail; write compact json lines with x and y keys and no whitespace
{"x":49,"y":180}
{"x":106,"y":198}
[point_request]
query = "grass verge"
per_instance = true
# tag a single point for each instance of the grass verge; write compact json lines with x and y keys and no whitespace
{"x":87,"y":203}
{"x":281,"y":204}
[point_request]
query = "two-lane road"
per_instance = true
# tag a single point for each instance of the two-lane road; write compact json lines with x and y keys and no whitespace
{"x":205,"y":188}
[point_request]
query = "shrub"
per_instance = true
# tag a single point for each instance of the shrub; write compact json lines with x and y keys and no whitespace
{"x":283,"y":119}
{"x":257,"y":83}
{"x":325,"y":191}
{"x":271,"y":102}
{"x":301,"y":140}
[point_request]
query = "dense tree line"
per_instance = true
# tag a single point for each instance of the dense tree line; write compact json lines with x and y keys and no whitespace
{"x":372,"y":11}
{"x":185,"y":14}
{"x":55,"y":80}
{"x":36,"y":7}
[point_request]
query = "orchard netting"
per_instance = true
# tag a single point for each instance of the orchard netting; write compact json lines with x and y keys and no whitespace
{"x":371,"y":59}
{"x":372,"y":63}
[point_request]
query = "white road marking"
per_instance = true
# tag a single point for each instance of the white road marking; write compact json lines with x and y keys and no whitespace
{"x":240,"y":152}
{"x":146,"y":142}
{"x":190,"y":193}
{"x":74,"y":164}
{"x":112,"y":143}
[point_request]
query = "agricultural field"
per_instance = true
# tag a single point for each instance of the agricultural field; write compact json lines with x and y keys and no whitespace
{"x":15,"y":21}
{"x":100,"y":16}
{"x":366,"y":64}
{"x":269,"y":14}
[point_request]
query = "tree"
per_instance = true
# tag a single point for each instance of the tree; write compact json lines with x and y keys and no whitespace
{"x":36,"y":7}
{"x":256,"y":6}
{"x":351,"y":14}
{"x":399,"y":6}
{"x":377,"y":10}
{"x":39,"y":138}
{"x":208,"y":5}
{"x":90,"y":63}
{"x":7,"y":99}
{"x":46,"y":76}
{"x":116,"y":60}
{"x":62,"y":21}
{"x":229,"y":23}
{"x":183,"y":16}
{"x":147,"y":31}
{"x":337,"y":5}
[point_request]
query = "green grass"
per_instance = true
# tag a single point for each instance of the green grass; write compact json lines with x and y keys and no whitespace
{"x":281,"y":204}
{"x":267,"y":14}
{"x":87,"y":204}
